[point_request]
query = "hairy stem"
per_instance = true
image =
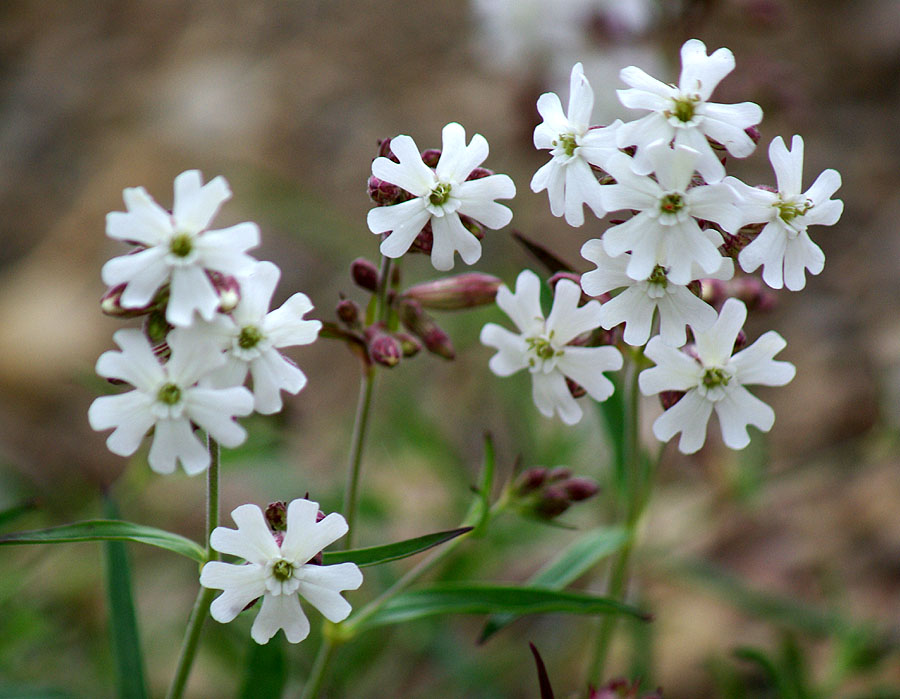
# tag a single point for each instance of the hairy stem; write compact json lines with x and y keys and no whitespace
{"x":360,"y":429}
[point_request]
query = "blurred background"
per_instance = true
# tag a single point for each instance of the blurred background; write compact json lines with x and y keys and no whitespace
{"x":287,"y":100}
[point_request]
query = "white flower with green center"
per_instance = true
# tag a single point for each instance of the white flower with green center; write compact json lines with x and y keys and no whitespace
{"x":684,"y":115}
{"x":715,"y":380}
{"x":177,"y":248}
{"x":665,"y":231}
{"x":166,"y":397}
{"x":542,"y":346}
{"x":441,"y":196}
{"x":251,"y":335}
{"x":783,"y":247}
{"x":280,"y":573}
{"x":639,"y":301}
{"x":575,"y":146}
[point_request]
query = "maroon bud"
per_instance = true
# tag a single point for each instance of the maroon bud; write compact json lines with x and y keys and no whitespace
{"x":740,"y":341}
{"x":423,"y":326}
{"x":452,"y":293}
{"x":473,"y":226}
{"x":559,"y":473}
{"x":753,"y":133}
{"x":669,"y":398}
{"x":409,"y":345}
{"x":111,"y":304}
{"x":364,"y":273}
{"x":228,"y":289}
{"x":276,"y":516}
{"x":530,"y":480}
{"x":384,"y":193}
{"x":383,"y":348}
{"x":577,"y":390}
{"x":478,"y":173}
{"x":553,"y":501}
{"x":431,"y":156}
{"x":580,"y":488}
{"x":348,"y":312}
{"x":384,"y":150}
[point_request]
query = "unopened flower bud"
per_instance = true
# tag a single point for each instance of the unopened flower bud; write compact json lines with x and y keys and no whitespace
{"x":577,"y":390}
{"x":364,"y":273}
{"x":228,"y":289}
{"x":552,"y":502}
{"x":452,"y":293}
{"x":409,"y":345}
{"x":669,"y":398}
{"x":580,"y":488}
{"x":478,"y":173}
{"x":384,"y":150}
{"x":276,"y":516}
{"x":431,"y":156}
{"x":423,"y":326}
{"x":384,"y":193}
{"x":530,"y":480}
{"x":348,"y":312}
{"x":111,"y":304}
{"x":472,"y":226}
{"x":383,"y":348}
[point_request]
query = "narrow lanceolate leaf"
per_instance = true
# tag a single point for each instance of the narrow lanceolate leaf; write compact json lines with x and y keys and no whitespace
{"x":11,"y":514}
{"x":479,"y":512}
{"x":467,"y":598}
{"x":108,"y":530}
{"x":123,"y":626}
{"x":376,"y":555}
{"x":574,"y":561}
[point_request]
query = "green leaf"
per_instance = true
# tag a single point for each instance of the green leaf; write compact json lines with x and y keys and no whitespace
{"x":266,"y":671}
{"x":123,"y":627}
{"x":480,"y":511}
{"x":474,"y":598}
{"x":12,"y":513}
{"x":108,"y":530}
{"x":574,"y":561}
{"x":376,"y":555}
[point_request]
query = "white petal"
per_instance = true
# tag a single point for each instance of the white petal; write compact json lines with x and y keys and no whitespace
{"x":511,"y":350}
{"x":701,"y":73}
{"x":135,"y":364}
{"x":524,"y":306}
{"x":241,"y":584}
{"x":584,"y":365}
{"x":674,"y":370}
{"x":581,"y":100}
{"x":477,"y":200}
{"x":679,"y":307}
{"x":280,"y":612}
{"x":191,"y":290}
{"x":623,"y":237}
{"x":148,"y":267}
{"x":715,"y":202}
{"x":738,"y":409}
{"x":644,"y":131}
{"x":192,"y":356}
{"x":727,"y":124}
{"x":173,"y":441}
{"x":582,"y":188}
{"x":273,"y":373}
{"x":766,"y":249}
{"x":321,"y":586}
{"x":826,"y":184}
{"x":673,"y":166}
{"x":304,"y":537}
{"x":410,"y":173}
{"x":716,"y":344}
{"x":214,"y":410}
{"x":450,"y":236}
{"x":256,"y":293}
{"x":129,"y":413}
{"x":285,"y":327}
{"x":403,"y":235}
{"x":550,"y":109}
{"x":610,"y":272}
{"x":756,"y":365}
{"x":225,"y":250}
{"x":551,"y":395}
{"x":689,"y":416}
{"x":788,"y":164}
{"x":634,"y":308}
{"x":567,"y":320}
{"x":457,"y":159}
{"x":196,"y":205}
{"x":251,"y":541}
{"x":146,"y":222}
{"x":640,"y":80}
{"x":708,"y":163}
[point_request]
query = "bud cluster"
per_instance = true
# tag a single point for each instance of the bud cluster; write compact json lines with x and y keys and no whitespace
{"x":545,"y":493}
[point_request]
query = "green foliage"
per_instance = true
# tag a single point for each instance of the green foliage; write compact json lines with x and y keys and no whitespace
{"x":376,"y":555}
{"x":265,"y":673}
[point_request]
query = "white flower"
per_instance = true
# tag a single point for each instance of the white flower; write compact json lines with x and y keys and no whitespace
{"x":575,"y":146}
{"x":251,"y":336}
{"x":639,"y":300}
{"x":167,"y":399}
{"x":665,"y":231}
{"x":783,"y":247}
{"x":177,"y":247}
{"x":542,"y":346}
{"x":684,"y":113}
{"x":715,"y":380}
{"x":278,"y":573}
{"x":441,"y":196}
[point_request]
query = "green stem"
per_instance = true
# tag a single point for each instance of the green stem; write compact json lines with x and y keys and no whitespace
{"x":317,"y":673}
{"x":360,"y":429}
{"x":204,"y":595}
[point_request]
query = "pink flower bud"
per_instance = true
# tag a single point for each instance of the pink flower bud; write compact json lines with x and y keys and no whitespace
{"x":276,"y":516}
{"x":423,"y":326}
{"x":384,"y":193}
{"x":409,"y":345}
{"x":364,"y":273}
{"x":111,"y":304}
{"x":452,"y":293}
{"x":580,"y":488}
{"x":478,"y":173}
{"x":348,"y":312}
{"x":559,"y":473}
{"x":431,"y":156}
{"x":552,"y":502}
{"x":530,"y":480}
{"x":383,"y":348}
{"x":228,"y":289}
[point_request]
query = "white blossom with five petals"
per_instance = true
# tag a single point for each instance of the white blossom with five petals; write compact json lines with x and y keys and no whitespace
{"x":251,"y":335}
{"x":684,"y":114}
{"x":639,"y":301}
{"x":441,"y":196}
{"x":542,"y":346}
{"x":177,"y":248}
{"x":783,"y":247}
{"x":575,"y":146}
{"x":279,"y":572}
{"x":166,"y":397}
{"x":715,"y":380}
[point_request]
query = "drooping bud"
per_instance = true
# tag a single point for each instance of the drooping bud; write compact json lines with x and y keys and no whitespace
{"x":452,"y":293}
{"x":423,"y":326}
{"x":111,"y":304}
{"x":383,"y":347}
{"x":348,"y":312}
{"x":409,"y":345}
{"x":364,"y":273}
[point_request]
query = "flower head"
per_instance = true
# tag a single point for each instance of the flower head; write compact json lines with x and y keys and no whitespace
{"x":715,"y":379}
{"x":440,"y":196}
{"x":684,"y":114}
{"x":543,"y":346}
{"x":783,"y":247}
{"x":167,"y":398}
{"x":251,"y":336}
{"x":575,"y":147}
{"x":177,"y":248}
{"x":279,"y":572}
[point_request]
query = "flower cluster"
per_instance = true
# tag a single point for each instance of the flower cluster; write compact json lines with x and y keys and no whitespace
{"x":685,"y":225}
{"x":208,"y":325}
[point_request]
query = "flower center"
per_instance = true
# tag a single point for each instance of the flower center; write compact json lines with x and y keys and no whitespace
{"x":440,"y":194}
{"x":671,"y":203}
{"x":170,"y":394}
{"x":658,"y":277}
{"x":683,"y":109}
{"x":715,"y":377}
{"x":181,"y":245}
{"x":250,"y":337}
{"x":791,"y":209}
{"x":567,"y":143}
{"x":283,"y":570}
{"x":542,"y":349}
